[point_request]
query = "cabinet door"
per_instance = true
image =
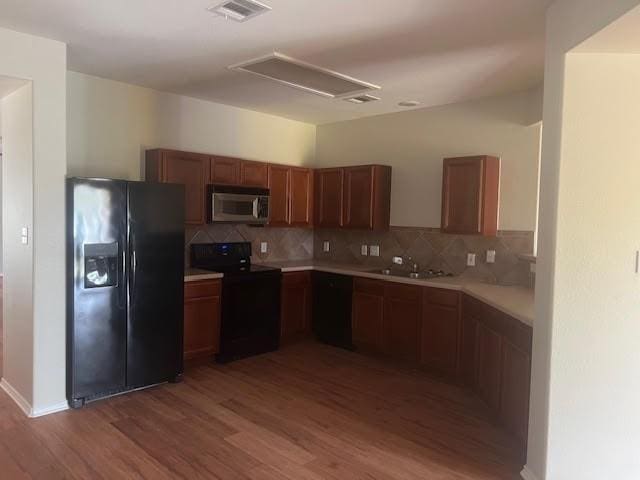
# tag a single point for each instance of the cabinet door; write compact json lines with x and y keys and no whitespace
{"x":402,"y":317}
{"x":279,"y":181}
{"x":468,"y":344}
{"x":516,"y":378}
{"x":440,"y":334}
{"x":368,"y":321}
{"x":296,"y":306}
{"x":201,"y":327}
{"x":461,"y":196}
{"x":192,"y":171}
{"x":225,"y":171}
{"x":254,"y":174}
{"x":358,"y":197}
{"x":329,"y":184}
{"x":301,"y":197}
{"x":489,"y":365}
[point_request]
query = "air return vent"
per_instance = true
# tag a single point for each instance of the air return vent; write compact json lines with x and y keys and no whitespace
{"x":240,"y":10}
{"x":362,"y":99}
{"x":305,"y":76}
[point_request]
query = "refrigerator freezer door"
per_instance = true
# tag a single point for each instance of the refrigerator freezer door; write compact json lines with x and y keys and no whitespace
{"x":156,"y":283}
{"x":96,"y":288}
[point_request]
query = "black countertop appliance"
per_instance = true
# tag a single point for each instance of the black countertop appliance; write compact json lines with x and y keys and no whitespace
{"x":250,"y":322}
{"x":125,"y":286}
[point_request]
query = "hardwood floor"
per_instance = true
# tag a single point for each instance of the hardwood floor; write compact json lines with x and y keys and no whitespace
{"x":306,"y":412}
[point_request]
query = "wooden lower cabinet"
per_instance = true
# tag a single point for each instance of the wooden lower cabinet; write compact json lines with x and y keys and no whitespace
{"x":367,"y":318}
{"x":201,"y":319}
{"x":440,"y":333}
{"x":468,"y":343}
{"x":489,"y":369}
{"x":295,"y":318}
{"x":514,"y":400}
{"x":402,"y":318}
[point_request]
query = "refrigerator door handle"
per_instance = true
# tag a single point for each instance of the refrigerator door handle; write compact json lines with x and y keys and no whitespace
{"x":132,"y":283}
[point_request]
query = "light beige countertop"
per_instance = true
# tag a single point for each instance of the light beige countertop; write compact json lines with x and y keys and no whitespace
{"x":517,"y":302}
{"x":195,"y":275}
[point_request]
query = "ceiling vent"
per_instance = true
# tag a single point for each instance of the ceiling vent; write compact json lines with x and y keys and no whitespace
{"x":304,"y":76}
{"x":362,"y":99}
{"x":240,"y":10}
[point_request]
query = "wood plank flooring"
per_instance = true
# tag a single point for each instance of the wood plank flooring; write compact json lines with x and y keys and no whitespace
{"x":306,"y":412}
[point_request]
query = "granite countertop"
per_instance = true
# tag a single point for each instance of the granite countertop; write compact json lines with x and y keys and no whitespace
{"x":195,"y":275}
{"x":518,"y":302}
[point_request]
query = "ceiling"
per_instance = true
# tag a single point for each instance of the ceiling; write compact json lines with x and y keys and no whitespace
{"x":433,"y":51}
{"x":621,"y":36}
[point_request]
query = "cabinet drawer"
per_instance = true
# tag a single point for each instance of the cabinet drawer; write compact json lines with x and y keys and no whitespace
{"x":438,"y":296}
{"x":201,"y":289}
{"x":296,"y":278}
{"x":403,"y":292}
{"x":471,"y":307}
{"x":372,"y":287}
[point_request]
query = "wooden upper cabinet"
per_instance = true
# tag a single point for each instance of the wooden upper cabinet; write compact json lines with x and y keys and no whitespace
{"x":188,"y":169}
{"x":353,"y":197}
{"x":279,"y":200}
{"x":470,"y":189}
{"x":367,"y":197}
{"x":254,"y":174}
{"x":329,"y":197}
{"x":225,"y":170}
{"x":301,"y":197}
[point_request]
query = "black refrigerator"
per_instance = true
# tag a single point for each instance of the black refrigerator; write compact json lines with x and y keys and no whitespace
{"x":125,"y":286}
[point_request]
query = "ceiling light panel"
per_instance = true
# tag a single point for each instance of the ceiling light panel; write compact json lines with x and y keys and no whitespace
{"x":240,"y":10}
{"x":304,"y":76}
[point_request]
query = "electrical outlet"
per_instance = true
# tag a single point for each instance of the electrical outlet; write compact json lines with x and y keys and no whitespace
{"x":374,"y":250}
{"x":397,"y":260}
{"x":264,"y":247}
{"x":364,"y":250}
{"x":471,"y":259}
{"x":325,"y":247}
{"x":491,"y":256}
{"x":25,"y":240}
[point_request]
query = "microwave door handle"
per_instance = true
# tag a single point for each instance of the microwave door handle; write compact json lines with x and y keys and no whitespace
{"x":256,"y":207}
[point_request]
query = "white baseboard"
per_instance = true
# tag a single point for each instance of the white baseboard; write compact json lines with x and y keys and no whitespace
{"x":26,"y":407}
{"x":16,"y":397}
{"x":41,"y":412}
{"x":528,"y":474}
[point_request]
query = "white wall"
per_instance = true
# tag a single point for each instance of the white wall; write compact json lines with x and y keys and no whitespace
{"x":44,"y":63}
{"x":17,"y":139}
{"x":581,"y":386}
{"x":415,"y":142}
{"x":112,"y":123}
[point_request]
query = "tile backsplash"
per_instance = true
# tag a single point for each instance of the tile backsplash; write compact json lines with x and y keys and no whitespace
{"x":432,"y":249}
{"x":282,"y":243}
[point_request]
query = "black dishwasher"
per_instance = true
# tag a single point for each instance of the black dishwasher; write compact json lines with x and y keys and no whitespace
{"x":332,"y":309}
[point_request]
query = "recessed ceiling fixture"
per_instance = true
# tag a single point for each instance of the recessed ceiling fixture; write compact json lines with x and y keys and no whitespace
{"x":409,"y":103}
{"x":239,"y":10}
{"x":305,"y":76}
{"x":360,"y":99}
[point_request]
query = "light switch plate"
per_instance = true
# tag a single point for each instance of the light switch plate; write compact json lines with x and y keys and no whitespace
{"x":326,"y":247}
{"x":374,"y":250}
{"x":364,"y":250}
{"x":264,"y":247}
{"x":25,"y":240}
{"x":471,"y":259}
{"x":25,"y":232}
{"x":491,"y":256}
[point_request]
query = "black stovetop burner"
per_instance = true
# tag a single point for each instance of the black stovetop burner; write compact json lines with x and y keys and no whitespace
{"x":231,"y":258}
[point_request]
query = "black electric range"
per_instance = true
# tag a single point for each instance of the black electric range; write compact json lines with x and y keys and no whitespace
{"x":250,"y":322}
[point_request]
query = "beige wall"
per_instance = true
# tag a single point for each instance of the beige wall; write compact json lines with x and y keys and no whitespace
{"x":17,"y":140}
{"x":112,"y":123}
{"x":583,"y":418}
{"x":415,"y":142}
{"x":44,"y":63}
